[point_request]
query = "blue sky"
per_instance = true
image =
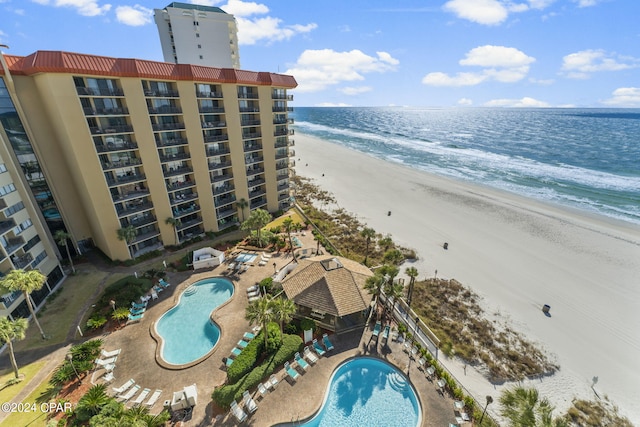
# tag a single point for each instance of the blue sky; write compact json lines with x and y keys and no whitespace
{"x":441,"y":53}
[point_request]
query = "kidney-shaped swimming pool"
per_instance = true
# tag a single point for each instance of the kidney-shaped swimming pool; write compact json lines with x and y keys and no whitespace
{"x":186,"y":330}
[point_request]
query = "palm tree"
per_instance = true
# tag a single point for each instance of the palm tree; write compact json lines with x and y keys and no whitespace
{"x":368,"y":234}
{"x":374,"y":285}
{"x":393,"y":256}
{"x":261,"y":311}
{"x":393,"y":291}
{"x":256,"y":221}
{"x":61,"y":238}
{"x":27,"y":282}
{"x":242,"y":203}
{"x":412,"y":272}
{"x":386,"y":242}
{"x":128,"y":234}
{"x":288,"y":227}
{"x":175,"y":223}
{"x":283,"y":311}
{"x":523,"y":407}
{"x":12,"y":330}
{"x":92,"y":402}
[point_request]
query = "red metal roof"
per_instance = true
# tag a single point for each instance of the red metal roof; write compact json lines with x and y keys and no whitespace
{"x":45,"y":61}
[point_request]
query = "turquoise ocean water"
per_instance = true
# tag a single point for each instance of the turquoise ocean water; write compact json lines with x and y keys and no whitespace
{"x":588,"y":159}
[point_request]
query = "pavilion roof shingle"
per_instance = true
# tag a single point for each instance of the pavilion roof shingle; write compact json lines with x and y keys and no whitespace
{"x":329,"y":284}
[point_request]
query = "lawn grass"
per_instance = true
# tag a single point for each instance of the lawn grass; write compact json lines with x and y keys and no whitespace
{"x":293,"y":214}
{"x":27,"y":372}
{"x":60,"y":314}
{"x":26,"y":418}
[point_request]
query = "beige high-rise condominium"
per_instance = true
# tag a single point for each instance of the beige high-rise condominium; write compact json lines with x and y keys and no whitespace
{"x":141,"y":154}
{"x":201,"y":35}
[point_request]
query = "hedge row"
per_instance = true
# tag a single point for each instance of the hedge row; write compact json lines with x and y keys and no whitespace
{"x":244,"y":363}
{"x":223,"y":396}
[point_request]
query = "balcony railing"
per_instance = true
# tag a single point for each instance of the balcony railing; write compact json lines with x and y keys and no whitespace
{"x":181,"y":198}
{"x":121,"y":163}
{"x":211,"y":109}
{"x":161,"y":93}
{"x":125,"y":179}
{"x":251,"y":135}
{"x":253,"y":159}
{"x":283,"y":196}
{"x":225,"y":200}
{"x":213,"y":125}
{"x":252,"y":147}
{"x":255,"y":182}
{"x":177,"y":171}
{"x":256,"y":203}
{"x":221,"y":165}
{"x":216,"y":138}
{"x":178,"y":212}
{"x":254,"y":171}
{"x":209,"y":94}
{"x":167,"y":126}
{"x":165,"y":110}
{"x":282,"y":165}
{"x":133,"y":208}
{"x":180,"y":184}
{"x":189,"y":223}
{"x":139,"y":222}
{"x":281,"y":96}
{"x":99,"y":91}
{"x":218,"y":152}
{"x":257,"y":193}
{"x":105,"y":111}
{"x":223,"y":189}
{"x":174,"y":157}
{"x":111,"y":129}
{"x":282,"y":109}
{"x":7,"y":225}
{"x":245,"y":95}
{"x":171,"y":142}
{"x":14,"y":244}
{"x":223,"y":177}
{"x":250,"y":122}
{"x":146,"y":236}
{"x":130,"y":195}
{"x":110,"y":146}
{"x":249,"y":109}
{"x":224,"y":213}
{"x":282,"y":132}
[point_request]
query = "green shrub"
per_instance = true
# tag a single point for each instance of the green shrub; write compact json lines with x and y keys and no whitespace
{"x":88,"y":350}
{"x":223,"y":396}
{"x":244,"y":363}
{"x":96,"y":321}
{"x":124,"y":291}
{"x":266,"y":284}
{"x":307,"y":324}
{"x":291,"y":328}
{"x":273,"y":337}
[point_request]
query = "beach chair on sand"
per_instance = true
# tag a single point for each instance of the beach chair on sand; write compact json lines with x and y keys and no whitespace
{"x":429,"y":372}
{"x":135,"y":318}
{"x":293,"y":374}
{"x":273,"y":380}
{"x":249,"y":403}
{"x":124,"y":387}
{"x":326,"y":342}
{"x":105,"y":362}
{"x":318,"y":348}
{"x":108,"y":354}
{"x":262,"y":389}
{"x":237,"y":412}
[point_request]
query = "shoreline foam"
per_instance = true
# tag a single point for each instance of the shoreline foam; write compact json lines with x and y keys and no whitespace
{"x":517,"y":254}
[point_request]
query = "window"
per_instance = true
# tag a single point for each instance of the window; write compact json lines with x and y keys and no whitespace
{"x":3,"y":167}
{"x":31,"y":243}
{"x":200,"y":56}
{"x":199,"y":46}
{"x":6,"y":189}
{"x":38,"y":259}
{"x":13,"y":209}
{"x":197,"y":35}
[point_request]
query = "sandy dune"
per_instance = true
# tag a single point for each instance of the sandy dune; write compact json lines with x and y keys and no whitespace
{"x":516,"y":253}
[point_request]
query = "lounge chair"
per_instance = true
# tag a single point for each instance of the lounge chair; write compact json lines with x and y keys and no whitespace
{"x":262,"y":263}
{"x":252,"y":299}
{"x":135,"y":312}
{"x":136,"y":306}
{"x":430,"y":371}
{"x":273,"y":380}
{"x":248,"y":336}
{"x":154,"y":294}
{"x":265,"y":255}
{"x":376,"y":329}
{"x":153,"y":399}
{"x":406,"y":347}
{"x":262,"y":389}
{"x":458,"y":404}
{"x":385,"y":332}
{"x":124,"y":387}
{"x":145,"y":299}
{"x":227,"y":361}
{"x":421,"y":363}
{"x":108,"y":354}
{"x":310,"y":356}
{"x":136,"y":318}
{"x":236,"y":351}
{"x":326,"y":342}
{"x":318,"y":348}
{"x":252,"y":294}
{"x":293,"y":374}
{"x":238,"y":412}
{"x":105,"y":362}
{"x":108,"y":377}
{"x":129,"y":394}
{"x":242,"y":344}
{"x":414,"y":352}
{"x":253,"y":288}
{"x":249,"y":403}
{"x":141,"y":397}
{"x":163,"y":283}
{"x":301,"y":362}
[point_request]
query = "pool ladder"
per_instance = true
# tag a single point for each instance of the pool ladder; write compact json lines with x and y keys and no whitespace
{"x":191,"y":290}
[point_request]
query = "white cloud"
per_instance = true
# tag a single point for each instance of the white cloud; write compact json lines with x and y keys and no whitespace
{"x":625,"y":97}
{"x":586,"y":3}
{"x":525,"y":102}
{"x":580,"y":64}
{"x":465,"y":102}
{"x":500,"y":63}
{"x":316,"y":70}
{"x":486,"y":12}
{"x":134,"y":15}
{"x":83,"y":7}
{"x":252,"y":29}
{"x":355,"y":90}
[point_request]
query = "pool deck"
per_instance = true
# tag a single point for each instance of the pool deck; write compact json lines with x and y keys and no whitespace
{"x":289,"y":401}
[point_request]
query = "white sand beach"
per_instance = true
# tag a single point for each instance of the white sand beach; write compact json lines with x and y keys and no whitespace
{"x":516,"y":253}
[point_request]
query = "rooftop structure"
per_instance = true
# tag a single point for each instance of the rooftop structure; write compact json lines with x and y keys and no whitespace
{"x":195,"y":34}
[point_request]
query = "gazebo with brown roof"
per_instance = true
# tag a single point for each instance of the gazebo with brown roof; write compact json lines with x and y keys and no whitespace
{"x":330,"y":289}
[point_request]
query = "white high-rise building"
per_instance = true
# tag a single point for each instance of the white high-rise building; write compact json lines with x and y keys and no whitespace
{"x":198,"y":35}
